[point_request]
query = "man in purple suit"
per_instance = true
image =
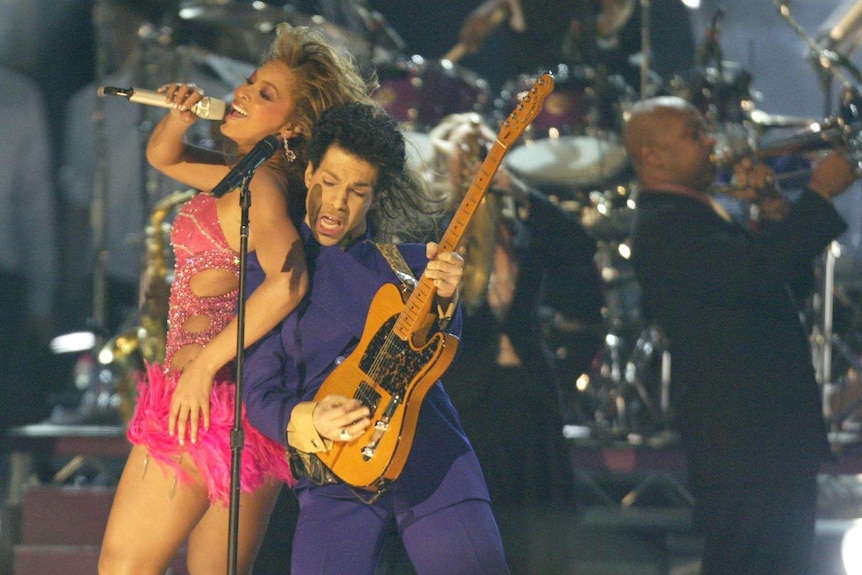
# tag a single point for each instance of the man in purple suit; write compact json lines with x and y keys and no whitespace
{"x":439,"y":503}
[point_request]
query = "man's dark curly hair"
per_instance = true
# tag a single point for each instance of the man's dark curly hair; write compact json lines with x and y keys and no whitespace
{"x":365,"y":131}
{"x":401,"y":205}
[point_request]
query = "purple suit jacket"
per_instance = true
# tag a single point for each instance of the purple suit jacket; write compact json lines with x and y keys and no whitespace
{"x":289,"y":365}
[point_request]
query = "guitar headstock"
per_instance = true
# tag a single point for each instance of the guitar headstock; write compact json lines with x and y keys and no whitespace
{"x":527,"y":110}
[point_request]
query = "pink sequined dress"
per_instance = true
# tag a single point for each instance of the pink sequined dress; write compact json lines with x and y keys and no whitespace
{"x":199,"y":245}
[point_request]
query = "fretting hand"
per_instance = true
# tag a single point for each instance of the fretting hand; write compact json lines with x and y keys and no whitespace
{"x":445,"y":269}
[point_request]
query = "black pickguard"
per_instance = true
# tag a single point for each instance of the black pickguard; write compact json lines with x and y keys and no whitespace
{"x":391,"y":362}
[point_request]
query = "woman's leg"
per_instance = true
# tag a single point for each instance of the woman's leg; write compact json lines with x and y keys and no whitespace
{"x":207,"y":551}
{"x":151,"y":516}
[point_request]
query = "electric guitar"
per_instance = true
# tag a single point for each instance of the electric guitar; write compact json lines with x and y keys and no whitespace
{"x":396,"y":361}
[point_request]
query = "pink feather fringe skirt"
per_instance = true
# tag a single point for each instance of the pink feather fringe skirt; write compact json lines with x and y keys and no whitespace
{"x":262,"y":458}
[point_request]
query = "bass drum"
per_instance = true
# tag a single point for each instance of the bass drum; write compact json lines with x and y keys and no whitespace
{"x":574,"y":141}
{"x":419,"y":93}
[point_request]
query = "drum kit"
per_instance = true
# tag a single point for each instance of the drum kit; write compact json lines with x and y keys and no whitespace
{"x":572,"y":151}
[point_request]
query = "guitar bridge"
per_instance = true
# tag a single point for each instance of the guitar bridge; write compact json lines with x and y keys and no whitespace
{"x":380,"y":427}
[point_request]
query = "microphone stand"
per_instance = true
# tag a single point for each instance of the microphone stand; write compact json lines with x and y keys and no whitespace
{"x":237,"y":436}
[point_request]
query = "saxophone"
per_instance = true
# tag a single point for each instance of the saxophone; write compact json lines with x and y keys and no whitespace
{"x":156,"y":283}
{"x":146,"y":341}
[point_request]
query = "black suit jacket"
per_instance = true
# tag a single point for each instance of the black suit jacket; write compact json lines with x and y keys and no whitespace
{"x":730,"y":302}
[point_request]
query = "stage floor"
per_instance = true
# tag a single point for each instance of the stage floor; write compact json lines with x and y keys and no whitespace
{"x":633,"y":514}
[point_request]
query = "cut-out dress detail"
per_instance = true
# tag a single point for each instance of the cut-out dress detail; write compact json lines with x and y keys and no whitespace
{"x":199,"y":248}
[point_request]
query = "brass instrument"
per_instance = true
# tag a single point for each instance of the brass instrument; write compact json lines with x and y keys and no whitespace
{"x":839,"y":132}
{"x":146,"y":341}
{"x":155,"y":288}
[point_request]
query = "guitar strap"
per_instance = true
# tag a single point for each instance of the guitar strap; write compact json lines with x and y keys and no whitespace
{"x":409,"y":281}
{"x":398,"y":265}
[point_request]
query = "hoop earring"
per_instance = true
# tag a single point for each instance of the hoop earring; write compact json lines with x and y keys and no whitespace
{"x":288,"y":153}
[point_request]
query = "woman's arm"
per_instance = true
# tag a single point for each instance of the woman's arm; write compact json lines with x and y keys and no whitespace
{"x":167,"y":151}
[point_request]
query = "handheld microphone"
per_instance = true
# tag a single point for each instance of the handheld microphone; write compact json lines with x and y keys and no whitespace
{"x":208,"y":108}
{"x":261,"y":152}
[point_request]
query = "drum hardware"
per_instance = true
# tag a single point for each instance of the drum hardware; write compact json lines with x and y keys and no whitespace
{"x":841,"y":131}
{"x":258,"y":15}
{"x":569,"y":162}
{"x":646,"y":47}
{"x":647,"y":372}
{"x":710,"y":49}
{"x":654,"y":82}
{"x":420,"y":93}
{"x":632,"y":387}
{"x":368,"y":37}
{"x":829,"y":64}
{"x":584,"y":102}
{"x":608,"y":214}
{"x":376,"y":28}
{"x":722,"y":93}
{"x":841,"y":32}
{"x":574,"y":142}
{"x":351,"y":24}
{"x":619,"y":409}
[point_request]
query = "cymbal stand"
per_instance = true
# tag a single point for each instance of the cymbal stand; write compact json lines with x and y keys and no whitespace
{"x":614,"y":414}
{"x":610,"y":412}
{"x":646,"y":46}
{"x":824,"y":60}
{"x":650,"y":344}
{"x":822,"y":333}
{"x":823,"y":303}
{"x":149,"y":70}
{"x":101,"y":17}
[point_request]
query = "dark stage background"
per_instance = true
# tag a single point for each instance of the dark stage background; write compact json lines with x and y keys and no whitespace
{"x":53,"y":42}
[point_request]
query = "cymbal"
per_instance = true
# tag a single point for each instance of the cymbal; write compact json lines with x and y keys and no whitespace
{"x":353,"y":41}
{"x":260,"y":17}
{"x":255,"y":14}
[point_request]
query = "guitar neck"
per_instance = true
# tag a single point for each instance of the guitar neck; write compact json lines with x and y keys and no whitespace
{"x":417,"y":309}
{"x":418,"y":305}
